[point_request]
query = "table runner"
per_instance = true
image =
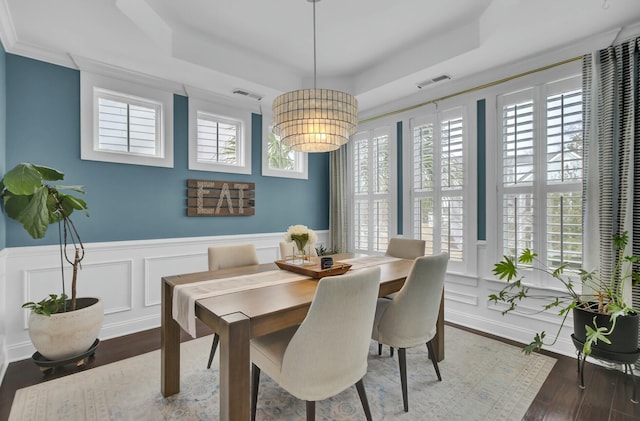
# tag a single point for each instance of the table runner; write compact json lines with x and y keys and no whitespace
{"x":185,"y":296}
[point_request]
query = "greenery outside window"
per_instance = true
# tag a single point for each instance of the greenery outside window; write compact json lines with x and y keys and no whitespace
{"x":438,"y":182}
{"x":279,"y":160}
{"x":372,"y":176}
{"x":218,"y":139}
{"x":540,"y":190}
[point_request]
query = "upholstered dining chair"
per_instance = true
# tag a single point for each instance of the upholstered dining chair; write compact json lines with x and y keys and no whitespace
{"x":405,"y":248}
{"x":409,"y":319}
{"x":327,"y":352}
{"x":286,"y":249}
{"x":226,"y":257}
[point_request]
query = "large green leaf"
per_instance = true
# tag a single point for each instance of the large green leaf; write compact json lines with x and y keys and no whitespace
{"x":50,"y":174}
{"x":13,"y":204}
{"x":35,"y":216}
{"x":23,"y":179}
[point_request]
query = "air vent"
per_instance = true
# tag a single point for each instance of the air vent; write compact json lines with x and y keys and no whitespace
{"x":248,"y":94}
{"x":434,"y":80}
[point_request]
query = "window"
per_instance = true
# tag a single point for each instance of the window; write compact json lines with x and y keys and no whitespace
{"x":541,"y":172}
{"x":279,"y":160}
{"x":373,"y":179}
{"x":218,"y":139}
{"x":125,"y":122}
{"x":438,"y":186}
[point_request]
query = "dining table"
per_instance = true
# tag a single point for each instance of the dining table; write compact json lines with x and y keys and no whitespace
{"x":239,"y":314}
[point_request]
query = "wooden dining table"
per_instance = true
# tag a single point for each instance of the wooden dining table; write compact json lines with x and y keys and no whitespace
{"x":241,"y":315}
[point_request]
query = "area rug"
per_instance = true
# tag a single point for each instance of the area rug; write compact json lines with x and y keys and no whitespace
{"x":482,"y":379}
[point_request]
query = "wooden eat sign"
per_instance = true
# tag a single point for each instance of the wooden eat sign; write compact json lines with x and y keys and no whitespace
{"x":220,"y":198}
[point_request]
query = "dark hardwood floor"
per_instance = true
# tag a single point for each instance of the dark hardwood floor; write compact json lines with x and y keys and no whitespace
{"x":606,"y":395}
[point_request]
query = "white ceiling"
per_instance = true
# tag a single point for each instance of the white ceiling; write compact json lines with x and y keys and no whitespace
{"x":376,"y":49}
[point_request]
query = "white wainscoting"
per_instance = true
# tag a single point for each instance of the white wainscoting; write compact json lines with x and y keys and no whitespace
{"x":467,"y":304}
{"x":126,"y":275}
{"x":4,"y":358}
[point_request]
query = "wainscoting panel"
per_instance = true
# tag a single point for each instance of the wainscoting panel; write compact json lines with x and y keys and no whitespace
{"x":110,"y":280}
{"x":4,"y":358}
{"x":157,"y":267}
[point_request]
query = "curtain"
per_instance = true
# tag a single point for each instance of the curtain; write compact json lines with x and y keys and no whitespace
{"x":612,"y":156}
{"x":338,"y":206}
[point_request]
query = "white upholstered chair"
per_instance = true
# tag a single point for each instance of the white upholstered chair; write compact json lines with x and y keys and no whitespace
{"x":406,"y":248}
{"x":287,"y":249}
{"x":327,"y":352}
{"x":409,"y":319}
{"x":226,"y":257}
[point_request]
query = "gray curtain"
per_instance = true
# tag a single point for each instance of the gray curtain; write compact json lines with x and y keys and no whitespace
{"x":612,"y":155}
{"x":338,"y":205}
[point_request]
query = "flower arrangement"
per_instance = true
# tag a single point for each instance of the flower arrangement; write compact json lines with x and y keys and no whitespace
{"x":301,"y":235}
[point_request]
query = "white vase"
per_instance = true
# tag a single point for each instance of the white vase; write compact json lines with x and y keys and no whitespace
{"x":65,"y":335}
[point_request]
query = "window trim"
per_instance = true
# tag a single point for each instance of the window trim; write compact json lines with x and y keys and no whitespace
{"x":224,"y":112}
{"x":301,"y":158}
{"x":538,"y":89}
{"x":463,"y":107}
{"x":374,"y":128}
{"x":91,"y":85}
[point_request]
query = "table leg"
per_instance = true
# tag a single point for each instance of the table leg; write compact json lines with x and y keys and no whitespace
{"x":169,"y":345}
{"x":235,"y":379}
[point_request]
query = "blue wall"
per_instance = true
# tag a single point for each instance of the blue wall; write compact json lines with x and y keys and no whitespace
{"x":128,"y":202}
{"x":3,"y":133}
{"x":482,"y":169}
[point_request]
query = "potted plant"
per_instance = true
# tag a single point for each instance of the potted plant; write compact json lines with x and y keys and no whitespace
{"x":60,"y":328}
{"x":602,"y":318}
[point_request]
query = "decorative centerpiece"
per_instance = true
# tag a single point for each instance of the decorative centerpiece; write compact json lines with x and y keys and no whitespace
{"x":302,"y":237}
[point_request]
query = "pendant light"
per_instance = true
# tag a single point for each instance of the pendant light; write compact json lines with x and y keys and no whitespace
{"x":315,"y":120}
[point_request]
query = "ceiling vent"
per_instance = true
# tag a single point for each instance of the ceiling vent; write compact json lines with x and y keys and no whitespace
{"x":434,"y":80}
{"x":248,"y":94}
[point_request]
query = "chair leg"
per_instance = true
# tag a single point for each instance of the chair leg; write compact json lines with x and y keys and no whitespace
{"x":311,"y":410}
{"x":432,"y":356}
{"x":363,"y":399}
{"x":379,"y":348}
{"x":255,"y":382}
{"x":402,"y":358}
{"x":214,"y":346}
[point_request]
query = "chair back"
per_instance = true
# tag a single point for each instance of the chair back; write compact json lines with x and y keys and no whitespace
{"x":406,"y":248}
{"x":410,"y":319}
{"x":287,"y":250}
{"x":225,"y":257}
{"x":328,"y":352}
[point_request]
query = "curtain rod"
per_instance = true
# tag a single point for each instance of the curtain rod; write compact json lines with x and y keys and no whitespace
{"x":466,"y":91}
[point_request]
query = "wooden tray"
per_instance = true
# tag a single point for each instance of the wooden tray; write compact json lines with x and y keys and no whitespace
{"x":314,"y":270}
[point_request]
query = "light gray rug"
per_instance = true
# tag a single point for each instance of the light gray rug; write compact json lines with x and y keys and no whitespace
{"x":482,"y":379}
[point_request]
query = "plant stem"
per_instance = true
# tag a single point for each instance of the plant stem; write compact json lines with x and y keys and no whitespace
{"x":76,"y":263}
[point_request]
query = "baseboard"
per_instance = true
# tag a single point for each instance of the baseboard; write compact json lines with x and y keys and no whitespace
{"x":563,"y":346}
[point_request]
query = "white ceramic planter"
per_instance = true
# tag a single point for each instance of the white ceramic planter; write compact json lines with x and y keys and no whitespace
{"x":65,"y":335}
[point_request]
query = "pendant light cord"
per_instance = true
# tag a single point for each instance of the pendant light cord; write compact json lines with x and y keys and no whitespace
{"x":314,"y":44}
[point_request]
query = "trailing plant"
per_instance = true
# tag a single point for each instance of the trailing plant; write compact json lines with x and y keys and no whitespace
{"x":30,"y":200}
{"x":604,"y":296}
{"x":50,"y":305}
